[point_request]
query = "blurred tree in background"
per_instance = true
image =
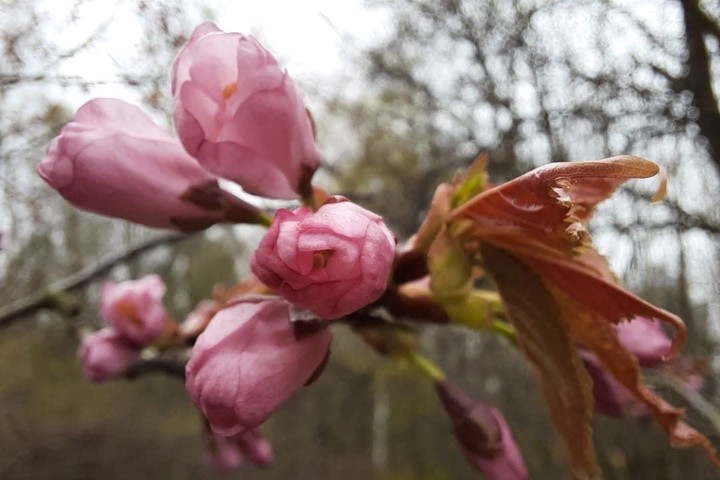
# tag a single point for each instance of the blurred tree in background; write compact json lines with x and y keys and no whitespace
{"x":534,"y":81}
{"x":528,"y":82}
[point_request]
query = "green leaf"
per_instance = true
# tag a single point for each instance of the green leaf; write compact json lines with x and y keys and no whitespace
{"x":471,"y":182}
{"x":452,"y":281}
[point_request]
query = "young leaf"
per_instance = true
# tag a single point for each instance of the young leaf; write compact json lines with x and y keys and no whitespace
{"x":531,"y":235}
{"x":599,"y":337}
{"x":540,"y":217}
{"x":543,"y":338}
{"x":551,"y":204}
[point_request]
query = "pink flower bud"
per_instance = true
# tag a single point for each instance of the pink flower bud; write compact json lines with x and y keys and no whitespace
{"x":222,"y":454}
{"x":332,"y":262}
{"x":248,"y":362}
{"x":645,"y":339}
{"x":134,"y":308}
{"x":196,"y":321}
{"x":611,"y":398}
{"x":483,"y":434}
{"x":256,"y":447}
{"x":226,"y":454}
{"x":242,"y":116}
{"x":106,"y":355}
{"x":115,"y":161}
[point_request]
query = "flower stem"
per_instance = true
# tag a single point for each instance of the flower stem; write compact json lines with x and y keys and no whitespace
{"x":504,"y":329}
{"x":426,"y":366}
{"x":265,"y":219}
{"x":309,"y":201}
{"x":697,"y":401}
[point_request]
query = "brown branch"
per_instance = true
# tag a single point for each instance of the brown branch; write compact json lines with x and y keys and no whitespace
{"x":709,"y":411}
{"x":683,"y":220}
{"x":10,"y":80}
{"x":173,"y":366}
{"x":44,"y":298}
{"x":699,"y":74}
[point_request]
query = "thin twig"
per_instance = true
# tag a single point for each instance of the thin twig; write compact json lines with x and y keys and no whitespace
{"x":697,"y":401}
{"x":173,"y":366}
{"x":43,"y":298}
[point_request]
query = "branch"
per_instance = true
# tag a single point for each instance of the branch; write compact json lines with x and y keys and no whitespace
{"x":709,"y":411}
{"x":700,"y":76}
{"x":173,"y":366}
{"x":45,"y":298}
{"x":12,"y":79}
{"x":683,"y":220}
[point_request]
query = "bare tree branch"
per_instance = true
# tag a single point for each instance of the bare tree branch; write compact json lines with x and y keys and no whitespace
{"x":699,"y":74}
{"x":709,"y":411}
{"x":171,"y":365}
{"x":47,"y":297}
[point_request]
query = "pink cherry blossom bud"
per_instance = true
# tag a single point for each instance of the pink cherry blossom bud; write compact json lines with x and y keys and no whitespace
{"x":106,"y":355}
{"x":256,"y":447}
{"x":611,"y":398}
{"x":134,"y":308}
{"x":226,"y":454}
{"x":483,"y":434}
{"x":248,"y":362}
{"x":197,"y":320}
{"x":241,"y":115}
{"x":112,"y":159}
{"x":645,"y":339}
{"x":222,"y":454}
{"x":332,"y":262}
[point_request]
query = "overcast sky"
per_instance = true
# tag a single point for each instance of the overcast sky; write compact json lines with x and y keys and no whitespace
{"x":313,"y":39}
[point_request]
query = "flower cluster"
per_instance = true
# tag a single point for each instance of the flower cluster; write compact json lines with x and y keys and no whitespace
{"x":136,"y":318}
{"x":241,"y":118}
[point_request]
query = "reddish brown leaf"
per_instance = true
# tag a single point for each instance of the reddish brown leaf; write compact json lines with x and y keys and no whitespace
{"x":551,"y":203}
{"x":435,"y":219}
{"x":532,"y":238}
{"x":410,"y":257}
{"x":608,"y":301}
{"x":414,"y":300}
{"x":543,"y":338}
{"x":541,"y":216}
{"x":599,"y":337}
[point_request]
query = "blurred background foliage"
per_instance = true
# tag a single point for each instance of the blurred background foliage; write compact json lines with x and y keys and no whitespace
{"x":528,"y":82}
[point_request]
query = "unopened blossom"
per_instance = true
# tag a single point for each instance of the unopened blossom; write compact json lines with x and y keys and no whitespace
{"x":196,"y":321}
{"x":226,"y":454}
{"x":112,"y":159}
{"x":106,"y":355}
{"x":645,"y":339}
{"x":255,"y":447}
{"x":221,"y":453}
{"x":611,"y":398}
{"x":248,"y":362}
{"x":332,"y":262}
{"x":483,"y":434}
{"x":134,"y":308}
{"x":241,"y":115}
